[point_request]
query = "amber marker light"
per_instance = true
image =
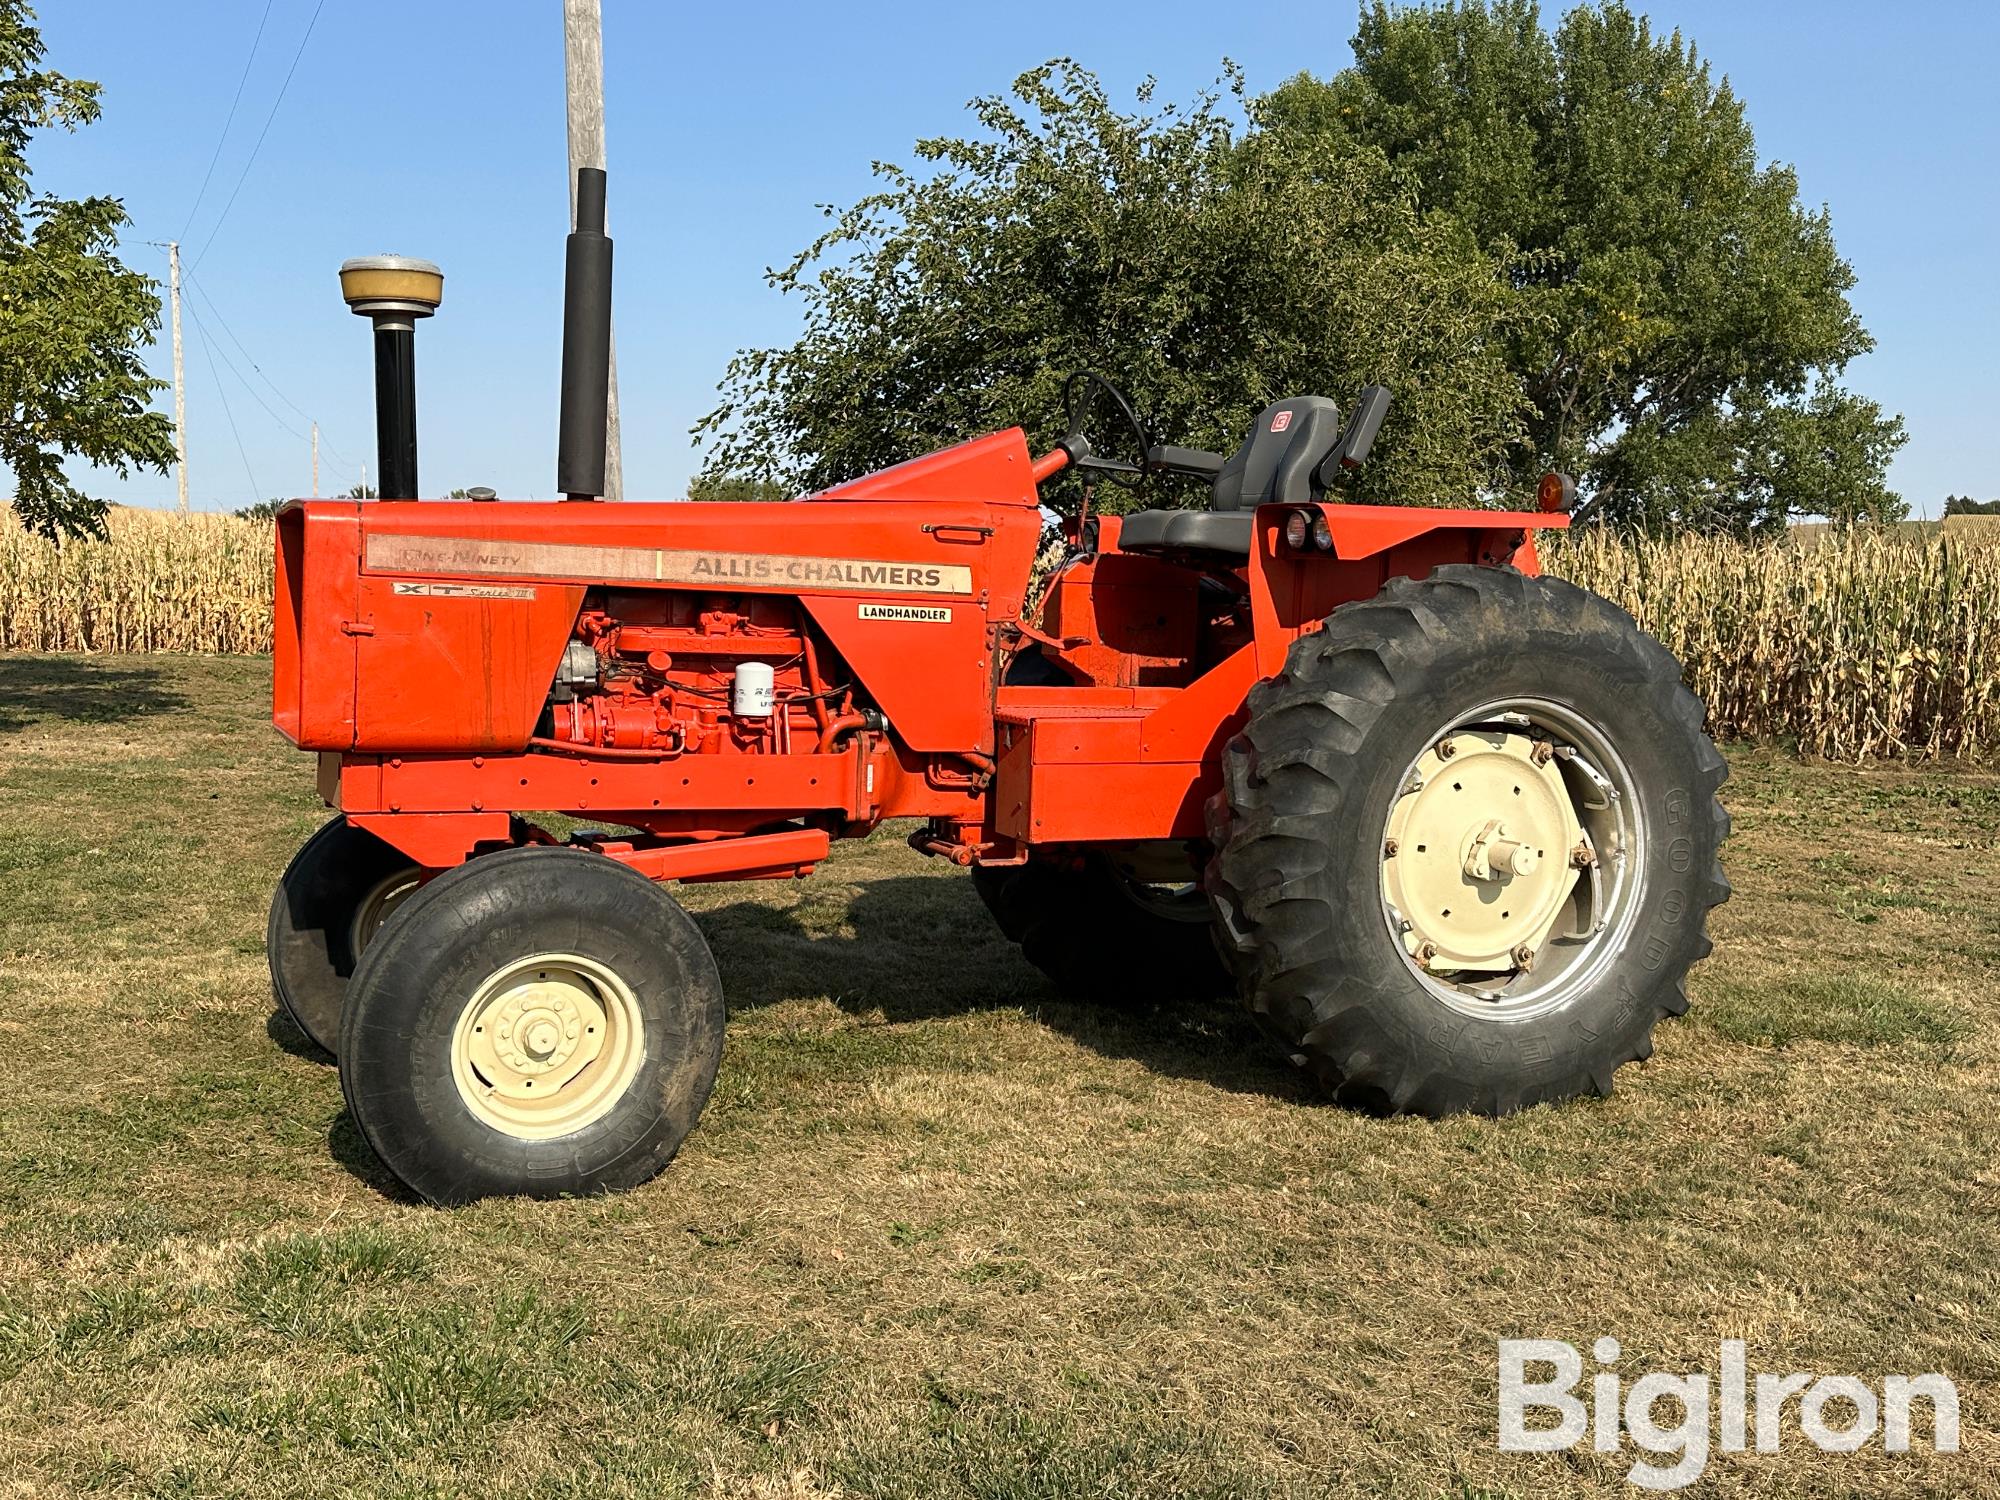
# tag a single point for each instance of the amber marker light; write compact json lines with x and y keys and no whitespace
{"x":1556,"y":492}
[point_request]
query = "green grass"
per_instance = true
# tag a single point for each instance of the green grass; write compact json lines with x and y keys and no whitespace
{"x":940,"y":1233}
{"x":1858,"y":1010}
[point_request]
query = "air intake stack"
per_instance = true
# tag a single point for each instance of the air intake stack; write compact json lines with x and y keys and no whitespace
{"x":394,"y":291}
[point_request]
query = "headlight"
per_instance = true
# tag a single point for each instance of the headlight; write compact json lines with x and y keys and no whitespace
{"x":1322,"y":532}
{"x":1298,"y":529}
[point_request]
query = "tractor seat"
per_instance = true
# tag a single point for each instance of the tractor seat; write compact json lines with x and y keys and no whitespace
{"x":1278,"y":462}
{"x":1187,"y":530}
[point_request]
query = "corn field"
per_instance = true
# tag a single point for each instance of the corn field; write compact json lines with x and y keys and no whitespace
{"x":163,"y":582}
{"x":1853,"y":644}
{"x":1849,"y":644}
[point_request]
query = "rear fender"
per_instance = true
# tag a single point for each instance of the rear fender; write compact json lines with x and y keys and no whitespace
{"x":1292,"y":592}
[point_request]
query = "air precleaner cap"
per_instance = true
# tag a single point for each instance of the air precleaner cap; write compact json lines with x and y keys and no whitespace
{"x":375,"y":284}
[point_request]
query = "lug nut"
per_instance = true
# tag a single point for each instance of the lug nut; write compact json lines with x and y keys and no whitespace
{"x":1541,"y":753}
{"x":1389,"y":847}
{"x":1524,"y":956}
{"x":1426,"y":953}
{"x":1446,"y":749}
{"x":1583,"y":856}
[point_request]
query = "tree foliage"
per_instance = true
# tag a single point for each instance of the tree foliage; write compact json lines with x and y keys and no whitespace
{"x":1557,"y":250}
{"x":1965,"y":505}
{"x":73,"y":318}
{"x":715,"y":486}
{"x":1205,"y":268}
{"x":1690,"y":315}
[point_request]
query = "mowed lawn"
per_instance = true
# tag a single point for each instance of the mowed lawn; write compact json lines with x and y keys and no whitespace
{"x":939,"y":1232}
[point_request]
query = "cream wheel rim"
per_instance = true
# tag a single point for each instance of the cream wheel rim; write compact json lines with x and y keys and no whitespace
{"x":547,"y":1046}
{"x":1509,"y":858}
{"x":378,"y":906}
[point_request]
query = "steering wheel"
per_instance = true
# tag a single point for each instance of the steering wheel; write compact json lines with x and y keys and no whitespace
{"x":1083,"y":393}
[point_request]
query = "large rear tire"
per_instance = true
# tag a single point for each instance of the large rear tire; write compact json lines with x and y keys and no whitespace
{"x":1466,"y":845}
{"x":338,"y":890}
{"x":1103,"y":937}
{"x":539,"y":1022}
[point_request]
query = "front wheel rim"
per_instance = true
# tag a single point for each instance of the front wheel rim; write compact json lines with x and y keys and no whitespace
{"x":547,"y":1046}
{"x":1513,"y":859}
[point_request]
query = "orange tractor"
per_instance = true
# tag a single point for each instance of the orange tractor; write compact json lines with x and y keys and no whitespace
{"x":1446,"y":826}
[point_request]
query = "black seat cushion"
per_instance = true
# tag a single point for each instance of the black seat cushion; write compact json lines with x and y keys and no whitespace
{"x":1198,"y":530}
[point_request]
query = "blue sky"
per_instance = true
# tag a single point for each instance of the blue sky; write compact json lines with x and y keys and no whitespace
{"x":437,"y":130}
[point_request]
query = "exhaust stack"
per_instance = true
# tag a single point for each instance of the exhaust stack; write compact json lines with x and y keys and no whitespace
{"x":586,"y":357}
{"x":394,"y":291}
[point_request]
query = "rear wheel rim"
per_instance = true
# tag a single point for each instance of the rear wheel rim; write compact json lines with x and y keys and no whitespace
{"x":547,"y":1046}
{"x":1513,"y":859}
{"x":377,"y":906}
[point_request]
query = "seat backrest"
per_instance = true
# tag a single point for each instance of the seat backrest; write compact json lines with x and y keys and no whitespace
{"x":1277,"y":460}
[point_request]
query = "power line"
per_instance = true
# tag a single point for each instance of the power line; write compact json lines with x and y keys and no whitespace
{"x":223,"y":322}
{"x":244,"y":176}
{"x":229,"y":120}
{"x":256,"y":494}
{"x":230,"y":364}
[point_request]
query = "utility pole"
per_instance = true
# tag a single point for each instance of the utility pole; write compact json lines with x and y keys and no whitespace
{"x":315,"y":427}
{"x":180,"y":396}
{"x":583,"y":76}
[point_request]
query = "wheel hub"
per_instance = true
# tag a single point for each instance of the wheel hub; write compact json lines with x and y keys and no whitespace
{"x":1476,"y":868}
{"x":546,"y":1045}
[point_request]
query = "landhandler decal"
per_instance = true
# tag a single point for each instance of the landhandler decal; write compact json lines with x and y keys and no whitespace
{"x":389,"y":553}
{"x":909,"y":614}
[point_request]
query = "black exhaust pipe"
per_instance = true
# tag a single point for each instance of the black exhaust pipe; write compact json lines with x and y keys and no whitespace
{"x":586,"y":356}
{"x":394,"y":291}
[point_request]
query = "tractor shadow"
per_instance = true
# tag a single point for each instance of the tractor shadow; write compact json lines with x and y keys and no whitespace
{"x":79,"y":690}
{"x":347,"y":1146}
{"x":285,"y":1033}
{"x":904,"y":950}
{"x":915,"y":948}
{"x":344,"y":1141}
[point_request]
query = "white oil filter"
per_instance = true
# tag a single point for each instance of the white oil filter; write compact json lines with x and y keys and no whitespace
{"x":752,"y":697}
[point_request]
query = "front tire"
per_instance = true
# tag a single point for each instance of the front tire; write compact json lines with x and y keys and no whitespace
{"x":539,"y":1022}
{"x":1466,"y":845}
{"x":338,"y":890}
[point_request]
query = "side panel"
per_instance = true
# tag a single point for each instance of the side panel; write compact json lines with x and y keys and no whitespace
{"x":455,"y":671}
{"x":929,"y":666}
{"x":313,"y":639}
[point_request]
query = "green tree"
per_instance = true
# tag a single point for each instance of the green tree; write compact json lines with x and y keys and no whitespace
{"x":711,"y":486}
{"x":360,"y":492}
{"x":73,"y":318}
{"x":1686,"y":318}
{"x":1205,"y":266}
{"x":1965,"y":505}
